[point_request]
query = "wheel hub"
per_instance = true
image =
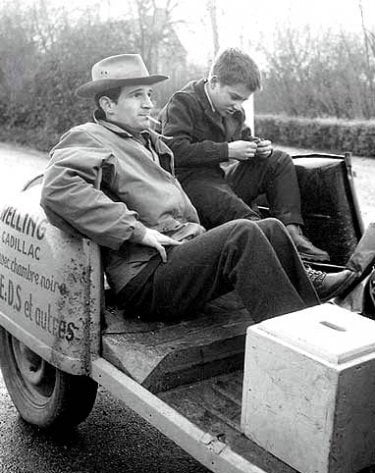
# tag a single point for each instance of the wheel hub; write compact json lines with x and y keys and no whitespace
{"x":36,"y":373}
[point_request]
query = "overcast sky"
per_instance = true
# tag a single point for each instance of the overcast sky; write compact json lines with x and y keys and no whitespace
{"x":243,"y":21}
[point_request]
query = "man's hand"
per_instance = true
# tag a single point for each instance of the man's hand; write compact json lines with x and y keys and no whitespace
{"x":242,"y":150}
{"x":157,"y":240}
{"x":264,"y":148}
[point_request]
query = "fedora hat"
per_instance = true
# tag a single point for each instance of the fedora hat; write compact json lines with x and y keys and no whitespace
{"x":116,"y":71}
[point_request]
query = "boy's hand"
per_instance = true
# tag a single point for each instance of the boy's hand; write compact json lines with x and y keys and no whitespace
{"x":242,"y":150}
{"x":157,"y":240}
{"x":264,"y":148}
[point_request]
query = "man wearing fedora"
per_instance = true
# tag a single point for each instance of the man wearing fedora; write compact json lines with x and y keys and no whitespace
{"x":113,"y":181}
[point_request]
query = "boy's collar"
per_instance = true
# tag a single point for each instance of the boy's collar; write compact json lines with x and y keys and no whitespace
{"x":205,"y":87}
{"x":209,"y":106}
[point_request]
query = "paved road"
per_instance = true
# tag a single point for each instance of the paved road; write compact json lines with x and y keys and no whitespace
{"x":113,"y":439}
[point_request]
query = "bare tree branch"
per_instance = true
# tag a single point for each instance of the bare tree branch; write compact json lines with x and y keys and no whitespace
{"x":212,"y":9}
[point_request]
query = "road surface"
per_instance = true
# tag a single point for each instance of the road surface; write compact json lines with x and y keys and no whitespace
{"x":113,"y":439}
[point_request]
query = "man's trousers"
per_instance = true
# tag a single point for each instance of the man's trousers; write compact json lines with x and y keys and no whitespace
{"x":258,"y":259}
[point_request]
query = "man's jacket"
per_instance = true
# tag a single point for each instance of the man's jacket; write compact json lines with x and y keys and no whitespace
{"x":102,"y":181}
{"x":197,"y":135}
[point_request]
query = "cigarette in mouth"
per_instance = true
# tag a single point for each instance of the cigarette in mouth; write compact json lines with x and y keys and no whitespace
{"x":153,"y":120}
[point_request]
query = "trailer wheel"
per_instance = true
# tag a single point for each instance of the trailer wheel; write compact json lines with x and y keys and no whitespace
{"x":43,"y":395}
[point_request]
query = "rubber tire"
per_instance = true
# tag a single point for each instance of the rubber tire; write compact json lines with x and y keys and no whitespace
{"x":58,"y":401}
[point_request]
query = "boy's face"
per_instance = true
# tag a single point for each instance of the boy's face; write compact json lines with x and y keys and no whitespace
{"x":132,"y":108}
{"x":227,"y":99}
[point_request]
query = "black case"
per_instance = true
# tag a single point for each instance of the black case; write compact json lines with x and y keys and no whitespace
{"x":329,"y":204}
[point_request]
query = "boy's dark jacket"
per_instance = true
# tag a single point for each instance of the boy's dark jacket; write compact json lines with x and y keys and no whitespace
{"x":197,"y":135}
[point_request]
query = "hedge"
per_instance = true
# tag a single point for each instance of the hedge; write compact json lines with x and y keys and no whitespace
{"x":329,"y":134}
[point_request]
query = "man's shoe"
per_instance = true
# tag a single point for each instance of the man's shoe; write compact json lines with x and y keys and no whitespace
{"x":304,"y":246}
{"x":329,"y":285}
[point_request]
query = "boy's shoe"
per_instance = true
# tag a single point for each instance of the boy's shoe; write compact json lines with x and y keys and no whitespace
{"x":304,"y":246}
{"x":329,"y":285}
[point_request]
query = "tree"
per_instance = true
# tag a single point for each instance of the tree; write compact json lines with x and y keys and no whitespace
{"x":212,"y":10}
{"x":317,"y":75}
{"x":46,"y":53}
{"x":369,"y":42}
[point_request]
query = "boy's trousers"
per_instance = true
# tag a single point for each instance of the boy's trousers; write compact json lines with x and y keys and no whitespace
{"x":220,"y":199}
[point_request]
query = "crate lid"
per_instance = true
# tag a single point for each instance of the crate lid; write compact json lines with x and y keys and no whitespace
{"x":328,"y":331}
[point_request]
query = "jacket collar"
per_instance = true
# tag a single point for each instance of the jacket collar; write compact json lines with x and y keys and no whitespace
{"x":235,"y":120}
{"x":209,"y":111}
{"x":205,"y":85}
{"x":111,"y":126}
{"x":160,"y":147}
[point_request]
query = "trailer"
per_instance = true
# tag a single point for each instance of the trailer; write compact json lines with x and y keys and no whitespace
{"x":62,"y":335}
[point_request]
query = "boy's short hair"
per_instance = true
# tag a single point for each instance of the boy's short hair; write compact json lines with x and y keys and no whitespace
{"x":232,"y":66}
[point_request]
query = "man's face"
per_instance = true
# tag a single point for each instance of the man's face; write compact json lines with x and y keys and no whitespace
{"x":133,"y":107}
{"x":227,"y":99}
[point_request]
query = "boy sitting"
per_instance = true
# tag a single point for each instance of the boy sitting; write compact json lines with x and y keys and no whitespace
{"x":205,"y":123}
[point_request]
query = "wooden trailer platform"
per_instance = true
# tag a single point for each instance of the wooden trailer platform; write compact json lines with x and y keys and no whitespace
{"x":161,"y":356}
